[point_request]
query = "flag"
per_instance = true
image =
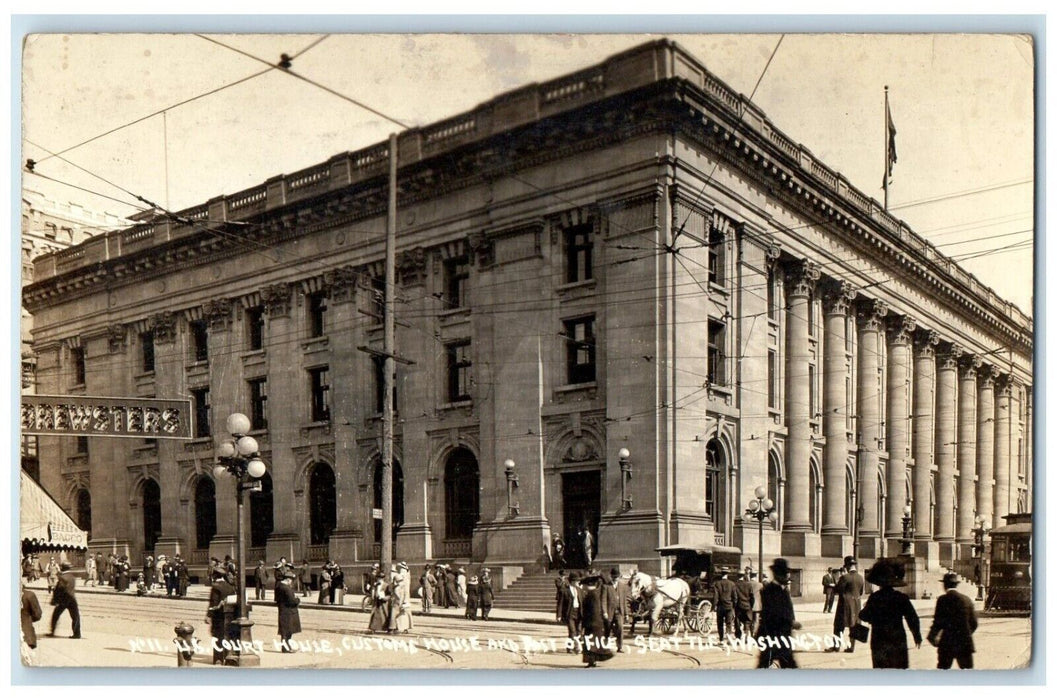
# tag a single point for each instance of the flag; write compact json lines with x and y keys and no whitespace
{"x":890,"y":146}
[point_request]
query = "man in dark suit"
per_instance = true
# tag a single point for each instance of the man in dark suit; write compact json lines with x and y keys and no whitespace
{"x":220,"y":613}
{"x":849,"y":591}
{"x":953,"y":625}
{"x":829,"y":589}
{"x":64,"y":598}
{"x":260,"y":577}
{"x":743,"y":599}
{"x":572,"y":603}
{"x":777,"y":619}
{"x":725,"y":593}
{"x":31,"y":613}
{"x":616,"y":594}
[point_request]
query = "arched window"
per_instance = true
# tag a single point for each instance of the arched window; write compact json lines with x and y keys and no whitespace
{"x":398,"y":498}
{"x":151,"y":514}
{"x":773,"y":479}
{"x":461,"y":494}
{"x":815,"y":497}
{"x":205,"y":512}
{"x":714,"y":468}
{"x":261,"y":519}
{"x":84,"y":511}
{"x":323,"y":508}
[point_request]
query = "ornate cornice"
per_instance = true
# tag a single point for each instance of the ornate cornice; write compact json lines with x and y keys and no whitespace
{"x":276,"y":299}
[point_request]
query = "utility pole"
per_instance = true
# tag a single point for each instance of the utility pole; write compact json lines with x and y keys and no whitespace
{"x":389,"y":364}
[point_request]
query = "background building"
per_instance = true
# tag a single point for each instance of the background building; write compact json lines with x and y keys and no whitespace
{"x":630,"y":256}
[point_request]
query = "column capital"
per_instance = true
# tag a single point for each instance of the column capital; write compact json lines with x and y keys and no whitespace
{"x":970,"y":363}
{"x":837,"y":296}
{"x":1005,"y":386}
{"x":925,"y":342}
{"x":163,"y":325}
{"x":341,"y":283}
{"x":900,"y":329}
{"x":276,"y":299}
{"x":871,"y":313}
{"x":218,"y":313}
{"x":801,"y":277}
{"x":988,"y":375}
{"x":949,"y":355}
{"x":771,"y":251}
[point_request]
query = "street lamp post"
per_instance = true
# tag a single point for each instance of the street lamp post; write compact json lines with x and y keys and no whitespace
{"x":513,"y":507}
{"x":760,"y":509}
{"x":239,"y":457}
{"x":907,"y":531}
{"x":979,"y":532}
{"x":624,"y":456}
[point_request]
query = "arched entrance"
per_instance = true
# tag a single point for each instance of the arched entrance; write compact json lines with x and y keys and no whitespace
{"x":261,"y":519}
{"x":151,"y":514}
{"x":581,"y":512}
{"x":461,"y":495}
{"x":322,"y":503}
{"x":205,"y":512}
{"x":397,"y":500}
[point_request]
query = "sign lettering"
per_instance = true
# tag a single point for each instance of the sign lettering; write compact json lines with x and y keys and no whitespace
{"x":107,"y":417}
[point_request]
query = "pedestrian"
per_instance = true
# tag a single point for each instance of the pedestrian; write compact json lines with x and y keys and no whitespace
{"x":53,"y":574}
{"x":89,"y":571}
{"x":617,"y":593}
{"x":742,"y":605}
{"x":953,"y":625}
{"x":379,"y":620}
{"x":885,"y":610}
{"x":725,"y":594}
{"x":100,"y":569}
{"x":571,"y":612}
{"x":485,"y":593}
{"x":757,"y":603}
{"x":324,"y":584}
{"x":472,"y":603}
{"x":304,"y":577}
{"x":400,"y":612}
{"x":260,"y":577}
{"x":460,"y":587}
{"x":777,"y":620}
{"x":450,"y":594}
{"x":111,"y":565}
{"x":183,"y":577}
{"x":337,"y":585}
{"x":558,"y":549}
{"x":220,"y":613}
{"x":65,"y":598}
{"x":286,"y":601}
{"x":588,"y":543}
{"x":168,"y":575}
{"x":124,"y":568}
{"x":148,"y":572}
{"x":426,"y":584}
{"x":848,"y":591}
{"x":31,"y":613}
{"x":596,"y":614}
{"x":141,"y":585}
{"x":159,"y":571}
{"x":829,"y":589}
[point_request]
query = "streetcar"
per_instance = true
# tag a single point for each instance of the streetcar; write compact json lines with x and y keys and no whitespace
{"x":1009,"y":583}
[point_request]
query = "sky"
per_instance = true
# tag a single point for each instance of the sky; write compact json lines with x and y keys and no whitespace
{"x":962,"y":106}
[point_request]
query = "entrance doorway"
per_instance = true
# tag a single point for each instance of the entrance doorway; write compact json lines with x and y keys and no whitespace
{"x":581,"y":511}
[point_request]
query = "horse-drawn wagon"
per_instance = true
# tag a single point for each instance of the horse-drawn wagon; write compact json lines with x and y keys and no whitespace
{"x":686,"y":596}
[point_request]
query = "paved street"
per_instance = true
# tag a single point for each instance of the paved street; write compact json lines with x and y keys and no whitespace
{"x":122,"y":630}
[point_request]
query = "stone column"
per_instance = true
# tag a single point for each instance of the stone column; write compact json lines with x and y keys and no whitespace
{"x":924,"y":439}
{"x":800,"y":281}
{"x":946,"y":440}
{"x":837,"y":301}
{"x":985,"y":446}
{"x":871,"y":320}
{"x":1003,"y":464}
{"x":966,"y":453}
{"x":899,"y":369}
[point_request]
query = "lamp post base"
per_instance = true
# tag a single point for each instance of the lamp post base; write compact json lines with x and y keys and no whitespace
{"x":243,"y":653}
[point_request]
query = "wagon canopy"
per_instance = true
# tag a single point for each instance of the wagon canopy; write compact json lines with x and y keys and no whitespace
{"x":704,"y":548}
{"x":44,"y":524}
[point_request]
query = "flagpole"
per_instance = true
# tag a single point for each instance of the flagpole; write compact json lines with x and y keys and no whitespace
{"x":888,"y":142}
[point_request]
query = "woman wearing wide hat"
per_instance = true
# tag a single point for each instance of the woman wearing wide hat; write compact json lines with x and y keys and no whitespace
{"x":594,"y":619}
{"x":885,"y":610}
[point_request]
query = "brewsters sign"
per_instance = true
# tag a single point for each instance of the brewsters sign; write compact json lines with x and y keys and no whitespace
{"x":106,"y":417}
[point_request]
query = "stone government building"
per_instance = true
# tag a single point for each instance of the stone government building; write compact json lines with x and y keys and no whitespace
{"x":630,"y":256}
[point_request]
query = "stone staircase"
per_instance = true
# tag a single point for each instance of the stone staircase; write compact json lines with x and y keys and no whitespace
{"x":529,"y":592}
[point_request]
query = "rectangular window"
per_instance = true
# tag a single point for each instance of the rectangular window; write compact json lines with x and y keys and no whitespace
{"x":200,"y":399}
{"x":258,"y":404}
{"x":580,"y":350}
{"x":459,"y":364}
{"x":578,"y":246}
{"x":715,"y":256}
{"x":456,"y":281}
{"x":772,"y":294}
{"x":716,"y":357}
{"x":849,"y":402}
{"x":772,"y":379}
{"x":811,"y":319}
{"x":82,"y":444}
{"x":317,"y":314}
{"x":200,"y":340}
{"x":320,"y":385}
{"x":146,"y":341}
{"x":77,"y":363}
{"x":255,"y":327}
{"x":812,"y":391}
{"x":1021,"y":471}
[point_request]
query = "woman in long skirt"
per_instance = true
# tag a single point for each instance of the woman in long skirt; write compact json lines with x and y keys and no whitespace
{"x":379,"y":621}
{"x":286,"y":601}
{"x":471,"y":599}
{"x":401,"y":614}
{"x":485,"y":594}
{"x":594,"y":628}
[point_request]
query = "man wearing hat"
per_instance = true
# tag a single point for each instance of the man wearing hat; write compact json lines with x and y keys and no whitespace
{"x":777,"y":619}
{"x":725,"y":593}
{"x":848,"y":590}
{"x":885,"y":610}
{"x":617,"y":593}
{"x":64,"y":598}
{"x":485,"y":593}
{"x":286,"y":602}
{"x":260,"y":575}
{"x":219,"y":614}
{"x":572,"y":602}
{"x":829,"y":588}
{"x":953,"y":625}
{"x":742,"y":605}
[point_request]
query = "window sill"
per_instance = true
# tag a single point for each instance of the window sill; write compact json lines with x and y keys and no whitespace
{"x":318,"y":343}
{"x":451,"y":405}
{"x":566,"y":388}
{"x":198,"y":442}
{"x":719,"y":288}
{"x":76,"y":389}
{"x":144,"y":375}
{"x":253,"y":354}
{"x":579,"y":284}
{"x":448,"y":313}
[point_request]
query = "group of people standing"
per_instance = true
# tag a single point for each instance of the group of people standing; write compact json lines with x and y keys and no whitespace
{"x":331,"y":584}
{"x":390,"y":600}
{"x":447,"y":587}
{"x":593,"y":608}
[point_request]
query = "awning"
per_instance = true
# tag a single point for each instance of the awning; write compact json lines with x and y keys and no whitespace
{"x":45,"y":525}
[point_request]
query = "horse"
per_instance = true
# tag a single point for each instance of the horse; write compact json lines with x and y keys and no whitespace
{"x":657,"y":594}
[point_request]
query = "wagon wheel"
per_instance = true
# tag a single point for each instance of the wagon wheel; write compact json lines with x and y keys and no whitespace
{"x":690,"y":617}
{"x":366,"y":604}
{"x":702,"y":617}
{"x":666,"y":624}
